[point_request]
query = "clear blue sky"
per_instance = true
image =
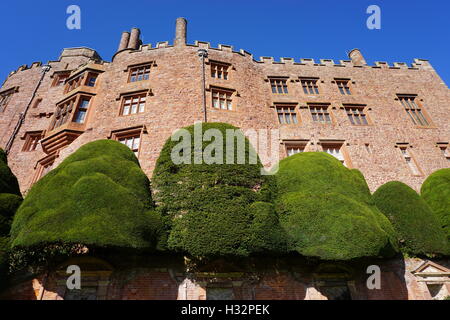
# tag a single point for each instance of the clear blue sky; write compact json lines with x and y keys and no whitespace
{"x":327,"y":29}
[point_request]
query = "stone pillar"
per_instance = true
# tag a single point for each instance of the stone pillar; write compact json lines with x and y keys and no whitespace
{"x":124,"y":41}
{"x":180,"y":32}
{"x":357,"y":58}
{"x":134,"y":39}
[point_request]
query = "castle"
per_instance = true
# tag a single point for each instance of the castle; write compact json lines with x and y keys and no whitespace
{"x":389,"y":121}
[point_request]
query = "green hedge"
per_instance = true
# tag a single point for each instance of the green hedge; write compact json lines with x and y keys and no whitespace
{"x":417,"y":227}
{"x":98,"y":197}
{"x":10,"y":200}
{"x":436,"y":192}
{"x":327,"y":210}
{"x":215,"y":209}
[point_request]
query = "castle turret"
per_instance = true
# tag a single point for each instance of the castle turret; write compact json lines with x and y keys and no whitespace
{"x":180,"y":32}
{"x":357,"y":58}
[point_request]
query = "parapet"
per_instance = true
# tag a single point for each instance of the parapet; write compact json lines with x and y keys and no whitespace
{"x":81,"y":51}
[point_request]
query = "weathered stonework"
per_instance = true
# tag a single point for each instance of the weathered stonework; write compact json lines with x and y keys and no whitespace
{"x":176,"y":100}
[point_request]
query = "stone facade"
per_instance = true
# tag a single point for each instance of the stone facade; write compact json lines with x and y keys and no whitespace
{"x":174,"y":93}
{"x":163,"y":279}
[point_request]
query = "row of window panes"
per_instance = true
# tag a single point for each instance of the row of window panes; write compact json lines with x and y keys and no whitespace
{"x":288,"y":115}
{"x":413,"y":110}
{"x":140,"y":73}
{"x":310,"y":86}
{"x":219,"y":71}
{"x":134,"y":104}
{"x":64,"y":111}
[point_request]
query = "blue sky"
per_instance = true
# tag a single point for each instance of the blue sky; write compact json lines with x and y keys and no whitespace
{"x":321,"y":29}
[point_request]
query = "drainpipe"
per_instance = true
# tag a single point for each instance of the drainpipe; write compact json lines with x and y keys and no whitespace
{"x":23,"y":115}
{"x":203,"y":53}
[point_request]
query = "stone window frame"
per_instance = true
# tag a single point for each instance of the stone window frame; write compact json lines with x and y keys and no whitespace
{"x":363,"y":113}
{"x":70,"y":108}
{"x":81,"y":79}
{"x":46,"y":163}
{"x":310,"y":83}
{"x":299,"y":144}
{"x":60,"y":78}
{"x":416,"y":112}
{"x":445,"y":149}
{"x":129,"y":70}
{"x":5,"y":97}
{"x":409,"y":158}
{"x":322,"y":105}
{"x":131,"y":132}
{"x":224,"y":68}
{"x":277,"y":84}
{"x":344,"y":85}
{"x":337,"y":144}
{"x":293,"y":106}
{"x":123,"y":96}
{"x":32,"y":140}
{"x":231,"y":93}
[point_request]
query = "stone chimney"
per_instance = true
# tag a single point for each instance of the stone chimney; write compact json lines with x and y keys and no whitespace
{"x":135,"y":39}
{"x":357,"y":58}
{"x":124,"y":41}
{"x":180,"y":32}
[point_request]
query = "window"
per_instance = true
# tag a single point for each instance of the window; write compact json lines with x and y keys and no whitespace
{"x":133,"y":104}
{"x":310,"y":86}
{"x":32,"y":140}
{"x":295,"y":149}
{"x":4,"y":99}
{"x":414,"y":110}
{"x":219,"y":70}
{"x":60,"y":79}
{"x":444,"y":150}
{"x":287,"y":115}
{"x":139,"y":73}
{"x":91,"y":80}
{"x":133,"y":142}
{"x":410,"y":161}
{"x":62,"y":114}
{"x":74,"y":83}
{"x":344,"y":87}
{"x":218,"y":293}
{"x":222,"y":99}
{"x":44,"y":166}
{"x":320,"y":113}
{"x":80,"y":114}
{"x":335,"y":151}
{"x":356,"y":115}
{"x":279,"y":86}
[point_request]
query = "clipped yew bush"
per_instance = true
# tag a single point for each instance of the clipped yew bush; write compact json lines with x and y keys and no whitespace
{"x":327,"y":210}
{"x":10,"y":200}
{"x":98,"y":197}
{"x":417,"y":228}
{"x":215,"y":209}
{"x":436,"y":192}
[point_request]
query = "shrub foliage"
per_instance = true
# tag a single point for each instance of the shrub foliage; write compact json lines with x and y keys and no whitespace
{"x":98,"y":197}
{"x":216,"y":209}
{"x":436,"y":192}
{"x":327,"y":211}
{"x":10,"y":200}
{"x":417,"y":227}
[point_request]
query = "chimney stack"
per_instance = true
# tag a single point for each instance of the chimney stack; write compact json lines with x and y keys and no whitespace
{"x":180,"y":32}
{"x":357,"y":58}
{"x":135,"y":40}
{"x":124,"y":41}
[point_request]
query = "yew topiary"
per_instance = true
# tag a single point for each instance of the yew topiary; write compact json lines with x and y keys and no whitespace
{"x":216,"y":209}
{"x":436,"y":193}
{"x":417,"y":228}
{"x":327,"y":210}
{"x":97,"y":197}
